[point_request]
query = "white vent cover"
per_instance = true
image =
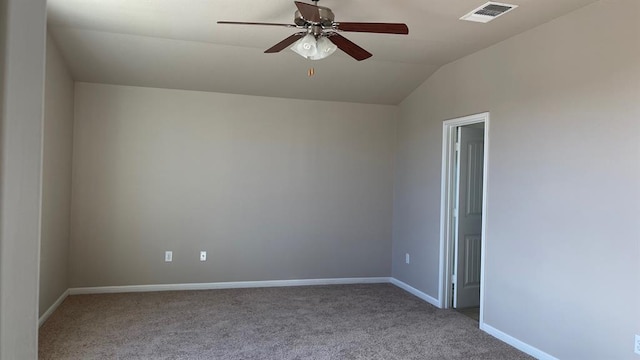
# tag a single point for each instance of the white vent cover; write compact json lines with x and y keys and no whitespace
{"x":488,"y":12}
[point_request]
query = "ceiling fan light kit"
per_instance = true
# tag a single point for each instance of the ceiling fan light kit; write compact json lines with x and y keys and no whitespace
{"x":312,"y":49}
{"x":320,"y":37}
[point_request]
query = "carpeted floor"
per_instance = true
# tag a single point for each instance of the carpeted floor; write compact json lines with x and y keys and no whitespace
{"x":316,"y":322}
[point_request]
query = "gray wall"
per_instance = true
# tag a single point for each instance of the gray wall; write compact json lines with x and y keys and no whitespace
{"x":562,"y":246}
{"x":3,"y":38}
{"x":20,"y":185}
{"x":56,"y":178}
{"x":3,"y":43}
{"x":271,"y":188}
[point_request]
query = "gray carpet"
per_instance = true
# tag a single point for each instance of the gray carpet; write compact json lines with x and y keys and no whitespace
{"x":315,"y":322}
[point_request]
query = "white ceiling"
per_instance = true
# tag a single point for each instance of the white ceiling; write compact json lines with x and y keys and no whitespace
{"x":177,"y":44}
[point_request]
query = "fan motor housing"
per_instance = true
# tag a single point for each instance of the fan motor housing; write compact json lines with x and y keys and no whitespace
{"x":326,"y":18}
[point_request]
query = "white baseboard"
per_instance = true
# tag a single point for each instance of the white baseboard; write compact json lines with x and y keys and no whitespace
{"x":52,"y":308}
{"x":408,"y":288}
{"x":522,"y":346}
{"x":225,"y":285}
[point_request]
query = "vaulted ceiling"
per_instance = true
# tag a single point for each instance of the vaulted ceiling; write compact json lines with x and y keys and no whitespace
{"x":177,"y":44}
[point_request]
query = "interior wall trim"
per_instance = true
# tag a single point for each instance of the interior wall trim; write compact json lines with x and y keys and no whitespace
{"x":226,"y":285}
{"x":52,"y":308}
{"x":410,"y":289}
{"x":518,"y":344}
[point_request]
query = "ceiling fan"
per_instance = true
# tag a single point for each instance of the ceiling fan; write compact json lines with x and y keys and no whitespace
{"x":320,"y":37}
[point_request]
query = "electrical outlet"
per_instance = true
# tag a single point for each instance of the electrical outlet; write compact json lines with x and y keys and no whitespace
{"x":637,"y":347}
{"x":203,"y":256}
{"x":407,"y":258}
{"x":168,"y":256}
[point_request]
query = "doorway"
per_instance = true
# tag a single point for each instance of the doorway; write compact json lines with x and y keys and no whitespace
{"x":463,"y":213}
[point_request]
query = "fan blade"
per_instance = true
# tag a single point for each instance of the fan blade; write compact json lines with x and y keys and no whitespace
{"x":284,"y":43}
{"x":309,"y":12}
{"x":349,"y":47}
{"x":380,"y":28}
{"x":253,"y":23}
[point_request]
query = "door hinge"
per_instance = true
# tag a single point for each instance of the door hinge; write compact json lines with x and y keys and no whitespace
{"x":457,"y":146}
{"x":455,"y":212}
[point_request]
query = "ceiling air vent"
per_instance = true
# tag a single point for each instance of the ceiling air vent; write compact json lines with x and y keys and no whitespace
{"x":488,"y":12}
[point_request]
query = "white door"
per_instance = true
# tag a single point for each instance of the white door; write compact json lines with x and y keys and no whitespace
{"x":468,"y":229}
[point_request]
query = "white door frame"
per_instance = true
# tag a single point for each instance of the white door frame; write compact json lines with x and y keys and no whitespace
{"x":447,"y":201}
